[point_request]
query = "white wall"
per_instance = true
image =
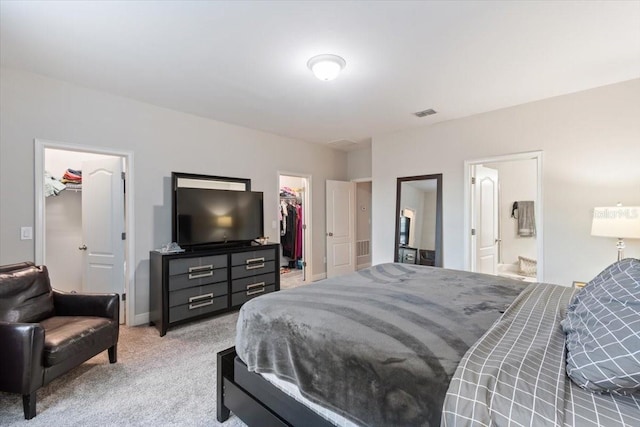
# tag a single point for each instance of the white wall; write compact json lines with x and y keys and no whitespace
{"x":591,"y":145}
{"x":413,"y":198}
{"x":429,"y":220}
{"x":518,"y":181}
{"x":162,"y":140}
{"x":359,"y":163}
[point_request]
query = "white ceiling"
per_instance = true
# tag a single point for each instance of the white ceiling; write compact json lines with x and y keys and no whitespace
{"x":245,"y":62}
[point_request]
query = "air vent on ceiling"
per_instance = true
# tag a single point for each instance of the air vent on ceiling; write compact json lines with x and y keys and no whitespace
{"x":343,"y":144}
{"x":425,"y":113}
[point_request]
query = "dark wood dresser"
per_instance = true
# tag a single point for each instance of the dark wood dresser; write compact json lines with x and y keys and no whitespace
{"x":192,"y":285}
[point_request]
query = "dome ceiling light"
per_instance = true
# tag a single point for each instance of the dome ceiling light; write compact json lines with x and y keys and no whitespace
{"x":326,"y":67}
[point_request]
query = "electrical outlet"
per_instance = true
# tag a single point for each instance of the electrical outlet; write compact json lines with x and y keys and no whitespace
{"x":26,"y":233}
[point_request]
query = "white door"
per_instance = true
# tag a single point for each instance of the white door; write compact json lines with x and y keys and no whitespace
{"x":341,"y":213}
{"x":103,"y":227}
{"x":486,"y":219}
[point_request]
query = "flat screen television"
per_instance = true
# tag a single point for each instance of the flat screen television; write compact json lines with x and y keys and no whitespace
{"x":405,"y":225}
{"x":205,"y":216}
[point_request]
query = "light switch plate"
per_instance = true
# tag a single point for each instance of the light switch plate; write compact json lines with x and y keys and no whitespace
{"x":26,"y":233}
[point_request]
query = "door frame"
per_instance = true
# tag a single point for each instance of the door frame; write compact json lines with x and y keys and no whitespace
{"x":468,"y":205}
{"x":359,"y":181}
{"x":40,"y":210}
{"x":307,"y":217}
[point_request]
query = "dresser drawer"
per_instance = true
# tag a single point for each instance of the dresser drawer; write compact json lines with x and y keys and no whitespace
{"x":187,"y":311}
{"x":240,"y":271}
{"x":198,"y":279}
{"x":197,"y":294}
{"x":253,"y":257}
{"x":242,"y":297}
{"x":196,"y":266}
{"x":248,"y":283}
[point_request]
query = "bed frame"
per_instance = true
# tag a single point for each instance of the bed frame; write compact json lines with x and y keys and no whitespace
{"x":255,"y":400}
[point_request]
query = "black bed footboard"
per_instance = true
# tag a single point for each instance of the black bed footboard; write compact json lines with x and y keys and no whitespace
{"x":255,"y":400}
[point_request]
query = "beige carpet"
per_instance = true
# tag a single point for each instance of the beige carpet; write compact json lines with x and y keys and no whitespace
{"x":290,"y":279}
{"x":168,"y":381}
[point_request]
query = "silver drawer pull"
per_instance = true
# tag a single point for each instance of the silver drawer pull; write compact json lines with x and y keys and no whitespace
{"x":200,"y":275}
{"x":200,"y":297}
{"x":200,"y":268}
{"x":254,"y":260}
{"x":257,"y":291}
{"x":202,"y":304}
{"x":255,"y":263}
{"x":256,"y":285}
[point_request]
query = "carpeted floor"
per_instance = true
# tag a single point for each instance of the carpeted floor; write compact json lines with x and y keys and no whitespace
{"x":168,"y":381}
{"x":290,"y":279}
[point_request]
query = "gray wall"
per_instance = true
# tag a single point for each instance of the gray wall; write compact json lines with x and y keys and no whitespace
{"x":162,"y":140}
{"x":591,"y":157}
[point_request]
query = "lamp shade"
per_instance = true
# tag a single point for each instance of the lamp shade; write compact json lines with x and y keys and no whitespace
{"x":622,"y":222}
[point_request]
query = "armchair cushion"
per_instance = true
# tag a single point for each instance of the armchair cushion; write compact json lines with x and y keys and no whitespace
{"x":26,"y":295}
{"x":69,"y":337}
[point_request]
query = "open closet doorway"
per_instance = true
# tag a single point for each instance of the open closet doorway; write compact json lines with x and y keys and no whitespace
{"x":504,"y":216}
{"x":81,"y":233}
{"x":294,"y":215}
{"x":363,"y":223}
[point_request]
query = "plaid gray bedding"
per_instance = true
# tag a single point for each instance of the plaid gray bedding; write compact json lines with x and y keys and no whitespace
{"x":515,"y":374}
{"x":378,"y":346}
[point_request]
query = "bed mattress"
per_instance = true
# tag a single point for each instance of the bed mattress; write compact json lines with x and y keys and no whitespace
{"x":378,"y":347}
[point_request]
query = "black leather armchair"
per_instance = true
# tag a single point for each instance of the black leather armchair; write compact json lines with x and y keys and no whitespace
{"x":45,"y":333}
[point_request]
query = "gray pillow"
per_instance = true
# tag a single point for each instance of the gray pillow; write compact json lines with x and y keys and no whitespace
{"x":602,"y":330}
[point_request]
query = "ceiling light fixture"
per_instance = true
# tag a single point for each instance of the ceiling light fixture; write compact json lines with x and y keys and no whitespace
{"x":326,"y":67}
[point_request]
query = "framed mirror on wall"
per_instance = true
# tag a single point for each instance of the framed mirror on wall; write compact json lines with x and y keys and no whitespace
{"x":418,"y":236}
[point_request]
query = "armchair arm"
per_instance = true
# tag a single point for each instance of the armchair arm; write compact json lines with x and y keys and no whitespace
{"x":100,"y":305}
{"x":21,"y":357}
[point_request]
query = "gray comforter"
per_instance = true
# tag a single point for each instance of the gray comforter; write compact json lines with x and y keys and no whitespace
{"x":515,"y":375}
{"x":379,"y":346}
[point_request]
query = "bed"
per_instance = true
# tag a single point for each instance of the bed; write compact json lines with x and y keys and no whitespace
{"x":403,"y":345}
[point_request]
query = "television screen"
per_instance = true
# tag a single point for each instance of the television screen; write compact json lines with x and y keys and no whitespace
{"x":405,"y":224}
{"x":206,"y":216}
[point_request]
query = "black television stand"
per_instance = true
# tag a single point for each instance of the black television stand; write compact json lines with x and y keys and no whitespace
{"x":204,"y":282}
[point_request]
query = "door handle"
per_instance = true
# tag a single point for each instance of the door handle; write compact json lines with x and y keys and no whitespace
{"x":498,"y":240}
{"x":83,"y":247}
{"x":330,"y":234}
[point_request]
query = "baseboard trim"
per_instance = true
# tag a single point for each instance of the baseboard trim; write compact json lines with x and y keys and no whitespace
{"x":140,"y":319}
{"x":361,"y":266}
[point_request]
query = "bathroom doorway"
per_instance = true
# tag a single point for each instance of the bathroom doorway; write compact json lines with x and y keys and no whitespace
{"x":503,"y":216}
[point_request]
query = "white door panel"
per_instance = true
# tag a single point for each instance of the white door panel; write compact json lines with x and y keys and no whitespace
{"x":341,"y":201}
{"x":486,"y":219}
{"x":103,"y":225}
{"x":342,"y":255}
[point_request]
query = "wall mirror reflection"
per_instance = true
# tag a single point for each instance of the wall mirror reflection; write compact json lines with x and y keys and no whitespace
{"x":419,"y":220}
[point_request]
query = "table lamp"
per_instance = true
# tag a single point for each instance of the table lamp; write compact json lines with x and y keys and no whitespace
{"x":622,"y":222}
